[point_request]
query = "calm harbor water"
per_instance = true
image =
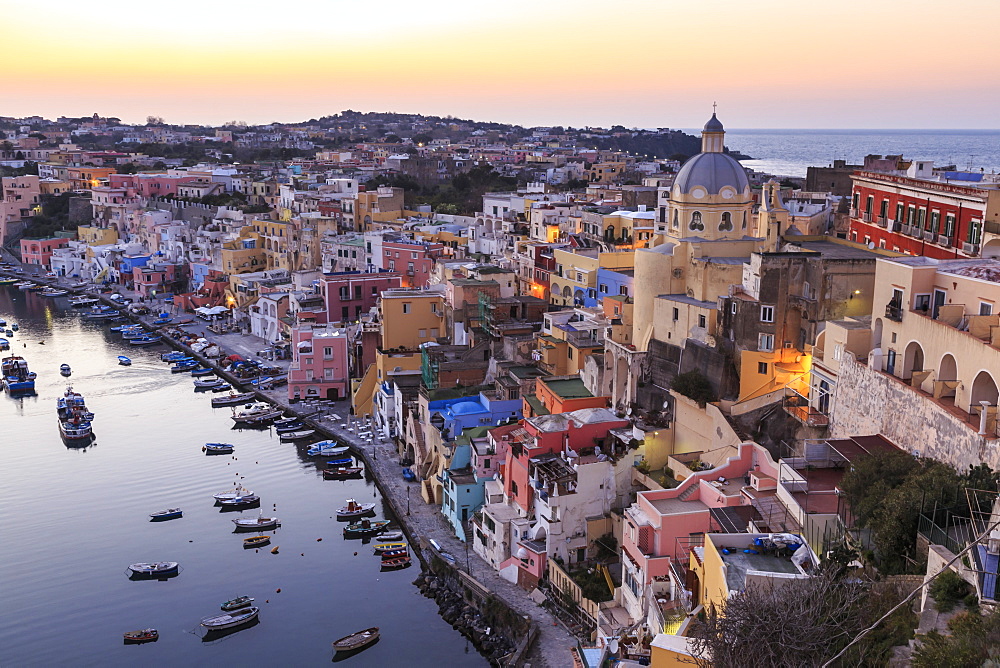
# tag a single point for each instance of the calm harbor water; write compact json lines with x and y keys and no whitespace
{"x":74,"y":519}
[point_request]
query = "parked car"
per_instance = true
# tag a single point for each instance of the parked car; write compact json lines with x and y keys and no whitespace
{"x":51,"y":274}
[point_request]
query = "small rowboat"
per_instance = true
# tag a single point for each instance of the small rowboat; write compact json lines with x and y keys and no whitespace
{"x":240,"y":501}
{"x":294,"y":425}
{"x":365,"y":528}
{"x":297,"y":435}
{"x":341,"y":461}
{"x":218,"y":448}
{"x":256,"y":541}
{"x":208,"y":382}
{"x":390,"y":536}
{"x":65,"y":369}
{"x":326,"y":449}
{"x":169,"y":514}
{"x":356,"y":641}
{"x":342,"y":472}
{"x":124,"y":361}
{"x":232,"y":494}
{"x":143,"y":635}
{"x":381,"y":548}
{"x":154,"y":569}
{"x":396,"y":562}
{"x":284,"y":422}
{"x":355,"y":509}
{"x":183,"y":367}
{"x":227,"y":621}
{"x":232,"y":399}
{"x":256,"y":523}
{"x":389,"y":555}
{"x":202,"y":371}
{"x":237,"y":603}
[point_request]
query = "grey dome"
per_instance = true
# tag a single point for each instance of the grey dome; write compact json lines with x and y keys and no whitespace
{"x":713,"y":125}
{"x":711,"y":171}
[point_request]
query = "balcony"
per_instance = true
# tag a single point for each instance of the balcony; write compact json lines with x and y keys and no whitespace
{"x":929,"y":236}
{"x":944,"y":240}
{"x":883,"y":222}
{"x":894,"y":312}
{"x":970,"y":249}
{"x":798,"y":407}
{"x":867,"y":216}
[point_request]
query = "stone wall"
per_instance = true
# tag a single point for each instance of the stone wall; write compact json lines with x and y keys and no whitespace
{"x":869,"y":402}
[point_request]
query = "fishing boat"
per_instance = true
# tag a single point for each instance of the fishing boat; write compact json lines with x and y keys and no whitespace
{"x":326,"y":449}
{"x":257,"y":413}
{"x":232,"y":493}
{"x":146,"y":341}
{"x":174,"y":356}
{"x":24,"y":285}
{"x":4,"y":344}
{"x":356,"y":641}
{"x":225,"y":387}
{"x":341,"y":461}
{"x":228,"y":621}
{"x":365,"y":528}
{"x":218,"y":448}
{"x":142,"y":635}
{"x":9,"y":332}
{"x":390,"y":536}
{"x":52,"y":292}
{"x":124,"y":361}
{"x":237,"y":603}
{"x":297,"y":435}
{"x":241,"y":501}
{"x":256,"y":523}
{"x":100,"y":313}
{"x":154,"y":569}
{"x":394,"y":553}
{"x":80,"y":302}
{"x":72,"y":405}
{"x":202,"y":371}
{"x":342,"y":472}
{"x":355,"y":509}
{"x":208,"y":382}
{"x":389,"y":547}
{"x":232,"y":399}
{"x":183,"y":367}
{"x":169,"y":514}
{"x":16,"y":376}
{"x":65,"y":369}
{"x":286,"y":427}
{"x":75,"y":430}
{"x":395,"y":562}
{"x":284,"y":422}
{"x":256,"y":541}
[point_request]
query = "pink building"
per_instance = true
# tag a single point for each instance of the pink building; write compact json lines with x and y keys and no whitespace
{"x":150,"y":185}
{"x":413,"y":259}
{"x":39,"y":251}
{"x":349,"y":294}
{"x":320,"y":363}
{"x":154,"y":279}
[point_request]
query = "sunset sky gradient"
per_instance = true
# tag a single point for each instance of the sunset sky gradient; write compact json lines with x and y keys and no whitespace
{"x":643,"y":63}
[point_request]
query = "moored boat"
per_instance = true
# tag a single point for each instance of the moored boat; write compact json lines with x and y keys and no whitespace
{"x":365,"y":528}
{"x":16,"y":376}
{"x":232,"y":399}
{"x":396,"y":562}
{"x":240,"y":501}
{"x":218,"y":448}
{"x":208,"y":382}
{"x":232,"y":493}
{"x":183,"y":367}
{"x":285,"y":422}
{"x":174,"y":356}
{"x":389,"y":547}
{"x":228,"y":621}
{"x":256,"y":541}
{"x":52,"y":292}
{"x":154,"y":568}
{"x":4,"y":344}
{"x":65,"y":369}
{"x":297,"y":435}
{"x":258,"y":413}
{"x":146,"y":341}
{"x":256,"y":523}
{"x":326,"y":449}
{"x":202,"y":371}
{"x":285,"y":427}
{"x":341,"y":461}
{"x":124,"y":361}
{"x":76,"y":430}
{"x":355,"y":509}
{"x":342,"y":472}
{"x":142,"y":635}
{"x":356,"y":641}
{"x":168,"y":514}
{"x":237,"y":603}
{"x":80,"y":302}
{"x":390,"y":536}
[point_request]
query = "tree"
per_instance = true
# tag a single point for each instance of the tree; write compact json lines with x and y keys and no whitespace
{"x":801,"y":624}
{"x":694,"y":385}
{"x":154,"y":120}
{"x":974,"y":640}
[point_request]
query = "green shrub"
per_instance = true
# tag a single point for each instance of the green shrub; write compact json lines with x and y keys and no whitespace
{"x":948,"y":589}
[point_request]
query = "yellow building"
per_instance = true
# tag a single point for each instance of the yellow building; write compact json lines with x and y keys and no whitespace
{"x":97,"y":236}
{"x":574,"y":282}
{"x":275,"y":236}
{"x":244,"y":254}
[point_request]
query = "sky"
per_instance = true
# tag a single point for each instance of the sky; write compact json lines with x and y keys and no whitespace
{"x":637,"y":63}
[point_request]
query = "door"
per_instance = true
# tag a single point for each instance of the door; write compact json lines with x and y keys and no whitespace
{"x":939,"y":297}
{"x":890,"y":362}
{"x":465,"y":515}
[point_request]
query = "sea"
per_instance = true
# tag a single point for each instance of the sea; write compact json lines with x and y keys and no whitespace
{"x":73,"y":519}
{"x":791,"y":152}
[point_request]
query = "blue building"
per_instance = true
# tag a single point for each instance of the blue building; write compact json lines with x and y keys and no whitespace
{"x":463,"y":492}
{"x":611,"y":282}
{"x":452,"y":416}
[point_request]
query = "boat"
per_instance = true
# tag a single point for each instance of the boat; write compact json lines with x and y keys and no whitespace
{"x":218,"y":448}
{"x":202,"y":371}
{"x":365,"y":528}
{"x":142,"y":635}
{"x":297,"y":435}
{"x":256,"y":523}
{"x":225,"y":387}
{"x":342,"y":472}
{"x":72,"y":405}
{"x":240,"y":501}
{"x":163,"y":321}
{"x":326,"y":449}
{"x":288,"y":426}
{"x":101,"y":313}
{"x":65,"y":369}
{"x":285,"y":422}
{"x":24,"y":285}
{"x":76,"y":430}
{"x":81,"y":301}
{"x":52,"y":292}
{"x":394,"y":553}
{"x":124,"y":361}
{"x":256,"y":541}
{"x":228,"y":621}
{"x":257,"y":413}
{"x":390,"y":536}
{"x":356,"y":641}
{"x":146,"y":341}
{"x":232,"y":399}
{"x":232,"y":493}
{"x":396,"y":562}
{"x":154,"y":569}
{"x":355,"y":509}
{"x":7,"y":280}
{"x":183,"y":367}
{"x":169,"y":514}
{"x":4,"y":344}
{"x":389,"y":547}
{"x":237,"y":603}
{"x":341,"y":461}
{"x":16,"y":376}
{"x":174,"y":356}
{"x":207,"y":382}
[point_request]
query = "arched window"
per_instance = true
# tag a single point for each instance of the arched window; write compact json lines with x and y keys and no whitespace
{"x":696,"y":223}
{"x":744,"y":220}
{"x":727,"y":222}
{"x":677,"y":222}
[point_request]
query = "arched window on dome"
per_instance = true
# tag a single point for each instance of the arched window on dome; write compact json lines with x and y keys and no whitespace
{"x":696,"y":223}
{"x":676,"y":223}
{"x":727,"y":222}
{"x":744,"y":220}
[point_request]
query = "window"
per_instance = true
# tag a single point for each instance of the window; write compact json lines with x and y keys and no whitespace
{"x":985,"y":308}
{"x":374,"y":291}
{"x":762,"y":368}
{"x":343,"y":313}
{"x":975,"y":232}
{"x":486,"y":463}
{"x":406,"y":307}
{"x":921,"y":217}
{"x":949,"y":225}
{"x":328,"y":353}
{"x":765,"y":343}
{"x":899,"y":212}
{"x":727,"y":222}
{"x":732,"y":308}
{"x":344,"y":292}
{"x":767,"y":314}
{"x":422,"y":333}
{"x":838,"y":351}
{"x":569,"y":352}
{"x":676,"y":315}
{"x":513,"y":488}
{"x":413,"y":256}
{"x":357,"y":292}
{"x":702,"y":321}
{"x":604,"y":288}
{"x":623,"y":290}
{"x":696,"y":223}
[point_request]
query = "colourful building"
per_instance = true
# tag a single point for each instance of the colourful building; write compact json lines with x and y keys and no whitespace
{"x":39,"y":251}
{"x":320,"y":363}
{"x":349,"y":294}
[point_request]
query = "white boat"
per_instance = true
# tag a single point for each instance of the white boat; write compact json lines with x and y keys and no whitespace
{"x":208,"y":382}
{"x":257,"y":413}
{"x":355,"y":509}
{"x":256,"y":523}
{"x":82,"y":301}
{"x":232,"y":494}
{"x":297,"y":435}
{"x":124,"y":361}
{"x":52,"y":292}
{"x":65,"y":369}
{"x":390,"y":536}
{"x":230,"y":620}
{"x":154,"y":568}
{"x":326,"y":449}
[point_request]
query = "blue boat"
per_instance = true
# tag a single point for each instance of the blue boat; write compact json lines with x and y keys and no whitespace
{"x":135,"y":333}
{"x":218,"y":449}
{"x":146,"y":341}
{"x":341,"y":462}
{"x":202,"y":371}
{"x":288,"y":426}
{"x":169,"y":514}
{"x":182,"y":368}
{"x":326,"y":449}
{"x":163,"y":321}
{"x":174,"y":356}
{"x":17,"y":379}
{"x":124,"y":361}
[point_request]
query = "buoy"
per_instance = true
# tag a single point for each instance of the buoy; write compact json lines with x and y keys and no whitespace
{"x":319,"y":540}
{"x":278,"y":590}
{"x":355,"y":554}
{"x":274,"y":550}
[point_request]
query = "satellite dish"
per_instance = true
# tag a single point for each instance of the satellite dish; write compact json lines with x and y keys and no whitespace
{"x":629,"y":411}
{"x":871,"y":245}
{"x":666,"y":404}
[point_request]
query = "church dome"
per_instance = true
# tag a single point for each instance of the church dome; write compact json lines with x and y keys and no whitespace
{"x":711,"y":171}
{"x":713,"y":125}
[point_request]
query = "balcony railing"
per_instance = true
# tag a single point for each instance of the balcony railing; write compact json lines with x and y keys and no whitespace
{"x":970,"y":249}
{"x":929,"y":235}
{"x":883,"y":222}
{"x":894,"y":312}
{"x":867,"y":216}
{"x":944,"y":240}
{"x":798,"y":407}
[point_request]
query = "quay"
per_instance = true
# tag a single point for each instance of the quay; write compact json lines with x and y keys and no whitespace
{"x":548,"y":642}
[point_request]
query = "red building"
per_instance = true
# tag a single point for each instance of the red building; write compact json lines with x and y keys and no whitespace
{"x":39,"y":251}
{"x":936,"y":218}
{"x":349,"y":294}
{"x":414,"y":260}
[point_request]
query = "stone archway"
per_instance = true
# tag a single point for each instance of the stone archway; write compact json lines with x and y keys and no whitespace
{"x":984,"y":388}
{"x":991,"y":249}
{"x":913,"y":359}
{"x":621,"y":389}
{"x":947,"y":368}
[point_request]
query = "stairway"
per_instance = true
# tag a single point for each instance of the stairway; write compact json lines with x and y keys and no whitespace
{"x":688,"y":493}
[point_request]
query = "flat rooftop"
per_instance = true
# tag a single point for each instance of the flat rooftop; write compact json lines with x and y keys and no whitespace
{"x":570,"y":388}
{"x":739,"y":562}
{"x":833,"y":250}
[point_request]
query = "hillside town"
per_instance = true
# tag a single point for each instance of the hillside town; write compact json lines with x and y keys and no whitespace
{"x":635,"y":379}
